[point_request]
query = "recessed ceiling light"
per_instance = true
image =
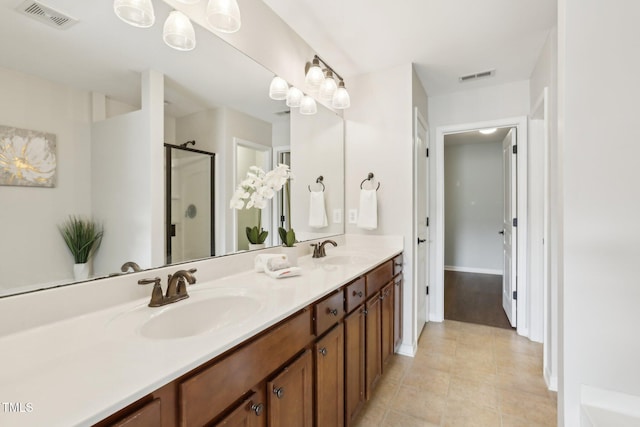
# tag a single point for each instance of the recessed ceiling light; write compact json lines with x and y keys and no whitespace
{"x":488,"y":131}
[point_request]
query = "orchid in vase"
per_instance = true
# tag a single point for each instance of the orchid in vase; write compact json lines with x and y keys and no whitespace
{"x":255,"y":191}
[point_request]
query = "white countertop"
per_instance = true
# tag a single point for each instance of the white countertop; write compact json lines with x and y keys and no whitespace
{"x":79,"y":370}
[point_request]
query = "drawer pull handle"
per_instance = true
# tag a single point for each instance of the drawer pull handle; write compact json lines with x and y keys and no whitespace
{"x":365,"y":312}
{"x":334,"y":311}
{"x":398,"y":264}
{"x":257,"y":408}
{"x":279,"y":392}
{"x":323,"y":351}
{"x":358,"y":294}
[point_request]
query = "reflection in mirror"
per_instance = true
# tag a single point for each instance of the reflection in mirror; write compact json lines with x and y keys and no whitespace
{"x":113,"y":95}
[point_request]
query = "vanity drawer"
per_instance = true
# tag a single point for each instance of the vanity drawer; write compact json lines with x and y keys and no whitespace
{"x":355,"y":294}
{"x":328,"y":312}
{"x":208,"y":393}
{"x":397,"y":265}
{"x":147,"y":416}
{"x":379,"y":277}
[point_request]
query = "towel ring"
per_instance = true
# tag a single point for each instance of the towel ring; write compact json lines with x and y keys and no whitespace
{"x":318,"y":181}
{"x":369,"y":178}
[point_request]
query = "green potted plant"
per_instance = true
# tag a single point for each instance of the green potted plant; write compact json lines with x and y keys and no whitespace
{"x":83,"y":238}
{"x":254,"y":192}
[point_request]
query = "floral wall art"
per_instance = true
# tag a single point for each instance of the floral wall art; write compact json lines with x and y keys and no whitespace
{"x":27,"y":157}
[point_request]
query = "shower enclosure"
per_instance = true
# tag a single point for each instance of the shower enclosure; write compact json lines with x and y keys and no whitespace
{"x":189,"y":203}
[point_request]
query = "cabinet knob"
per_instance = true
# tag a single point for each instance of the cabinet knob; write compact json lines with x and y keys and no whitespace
{"x":398,"y":264}
{"x":334,"y":311}
{"x":257,"y":408}
{"x":365,"y":311}
{"x":279,"y":392}
{"x":323,"y":351}
{"x":358,"y":294}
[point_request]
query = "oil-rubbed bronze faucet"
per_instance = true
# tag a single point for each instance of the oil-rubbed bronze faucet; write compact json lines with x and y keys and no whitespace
{"x":130,"y":265}
{"x":318,"y":248}
{"x":176,"y":287}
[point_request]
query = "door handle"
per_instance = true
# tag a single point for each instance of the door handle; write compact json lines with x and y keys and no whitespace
{"x":421,"y":240}
{"x":501,"y":232}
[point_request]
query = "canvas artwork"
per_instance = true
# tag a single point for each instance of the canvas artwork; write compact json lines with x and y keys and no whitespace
{"x":27,"y":157}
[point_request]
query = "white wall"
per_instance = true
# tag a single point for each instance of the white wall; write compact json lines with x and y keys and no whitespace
{"x":473,"y":206}
{"x":31,"y":214}
{"x":598,"y":131}
{"x":379,"y":139}
{"x":545,"y":75}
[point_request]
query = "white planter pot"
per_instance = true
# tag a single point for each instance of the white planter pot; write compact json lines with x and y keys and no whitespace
{"x":81,"y":271}
{"x":292,"y":254}
{"x":253,"y":246}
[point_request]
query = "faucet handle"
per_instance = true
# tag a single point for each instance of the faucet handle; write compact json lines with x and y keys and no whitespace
{"x":155,"y":281}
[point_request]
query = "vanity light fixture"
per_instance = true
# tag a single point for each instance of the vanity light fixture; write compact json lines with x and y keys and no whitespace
{"x":308,"y":106}
{"x":278,"y":89}
{"x":328,"y":86}
{"x":313,"y":74}
{"x":178,"y":32}
{"x":341,"y":99}
{"x":294,"y":97}
{"x":223,"y":15}
{"x":488,"y":131}
{"x":138,"y":13}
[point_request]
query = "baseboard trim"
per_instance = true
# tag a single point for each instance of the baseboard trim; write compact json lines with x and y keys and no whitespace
{"x":408,"y":349}
{"x":551,"y":381}
{"x":473,"y":270}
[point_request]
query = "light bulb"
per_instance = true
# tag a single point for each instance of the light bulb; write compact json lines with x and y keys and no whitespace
{"x":223,"y":15}
{"x":294,"y":97}
{"x":308,"y":106}
{"x":178,"y":32}
{"x":278,"y":88}
{"x":138,"y":13}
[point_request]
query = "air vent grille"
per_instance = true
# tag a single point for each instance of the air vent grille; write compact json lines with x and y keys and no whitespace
{"x":482,"y":74}
{"x":46,"y":15}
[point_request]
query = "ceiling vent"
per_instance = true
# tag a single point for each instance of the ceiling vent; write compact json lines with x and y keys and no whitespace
{"x":471,"y":77}
{"x":45,"y":14}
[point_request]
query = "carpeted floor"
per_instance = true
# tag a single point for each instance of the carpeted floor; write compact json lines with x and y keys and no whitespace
{"x":474,"y":298}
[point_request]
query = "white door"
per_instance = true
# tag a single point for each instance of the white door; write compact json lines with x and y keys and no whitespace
{"x":421,"y":203}
{"x":509,"y":232}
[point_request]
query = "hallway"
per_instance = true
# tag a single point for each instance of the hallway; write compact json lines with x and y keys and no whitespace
{"x":464,"y":375}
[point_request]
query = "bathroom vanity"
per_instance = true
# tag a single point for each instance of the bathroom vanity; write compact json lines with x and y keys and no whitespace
{"x":243,"y":349}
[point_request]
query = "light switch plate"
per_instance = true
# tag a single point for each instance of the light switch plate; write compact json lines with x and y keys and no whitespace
{"x":337,"y":216}
{"x":353,"y":216}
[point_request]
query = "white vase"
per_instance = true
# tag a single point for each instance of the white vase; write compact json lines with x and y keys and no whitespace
{"x":81,"y":271}
{"x":292,"y":254}
{"x":253,"y":246}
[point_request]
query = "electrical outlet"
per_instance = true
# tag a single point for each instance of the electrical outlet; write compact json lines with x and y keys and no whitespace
{"x":353,"y":216}
{"x":337,"y":216}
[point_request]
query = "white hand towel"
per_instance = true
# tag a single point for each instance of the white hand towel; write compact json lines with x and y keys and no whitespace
{"x":260,"y":261}
{"x":317,"y":211}
{"x":368,"y":215}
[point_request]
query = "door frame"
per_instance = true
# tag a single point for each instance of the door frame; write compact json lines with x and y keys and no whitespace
{"x":436,"y":311}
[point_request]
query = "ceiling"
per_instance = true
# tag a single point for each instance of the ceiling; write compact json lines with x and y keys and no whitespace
{"x":445,"y":39}
{"x":473,"y":137}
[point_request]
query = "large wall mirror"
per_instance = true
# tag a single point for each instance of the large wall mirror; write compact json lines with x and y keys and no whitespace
{"x":91,"y":85}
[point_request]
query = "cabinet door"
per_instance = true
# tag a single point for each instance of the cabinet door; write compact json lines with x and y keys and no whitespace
{"x":147,"y":416}
{"x":251,"y":413}
{"x":329,"y":382}
{"x":386,"y":299}
{"x":354,"y":357}
{"x":290,"y":395}
{"x":373,"y":352}
{"x":397,"y":312}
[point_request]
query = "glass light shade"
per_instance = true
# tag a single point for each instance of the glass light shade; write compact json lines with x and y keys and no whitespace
{"x":308,"y":106}
{"x":138,"y":13}
{"x":488,"y":131}
{"x":314,"y":77}
{"x":341,"y":99}
{"x":223,"y":15}
{"x":178,"y":32}
{"x":294,"y":97}
{"x":278,"y":89}
{"x":328,"y":87}
{"x":189,"y":1}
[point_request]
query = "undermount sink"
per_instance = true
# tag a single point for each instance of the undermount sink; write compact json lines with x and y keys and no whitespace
{"x":199,"y":317}
{"x":350,"y":259}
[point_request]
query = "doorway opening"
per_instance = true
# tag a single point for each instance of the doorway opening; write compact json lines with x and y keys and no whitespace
{"x":478,"y":233}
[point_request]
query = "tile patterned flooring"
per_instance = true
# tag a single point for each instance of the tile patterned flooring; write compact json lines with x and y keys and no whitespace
{"x":463,"y":375}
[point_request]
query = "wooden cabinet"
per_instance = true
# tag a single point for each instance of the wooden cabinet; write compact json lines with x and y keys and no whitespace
{"x":354,"y":359}
{"x":373,"y":352}
{"x":329,"y":378}
{"x":290,"y":394}
{"x":397,"y":312}
{"x":250,"y":413}
{"x":328,"y":312}
{"x":147,"y":416}
{"x":354,"y":294}
{"x":386,"y":320}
